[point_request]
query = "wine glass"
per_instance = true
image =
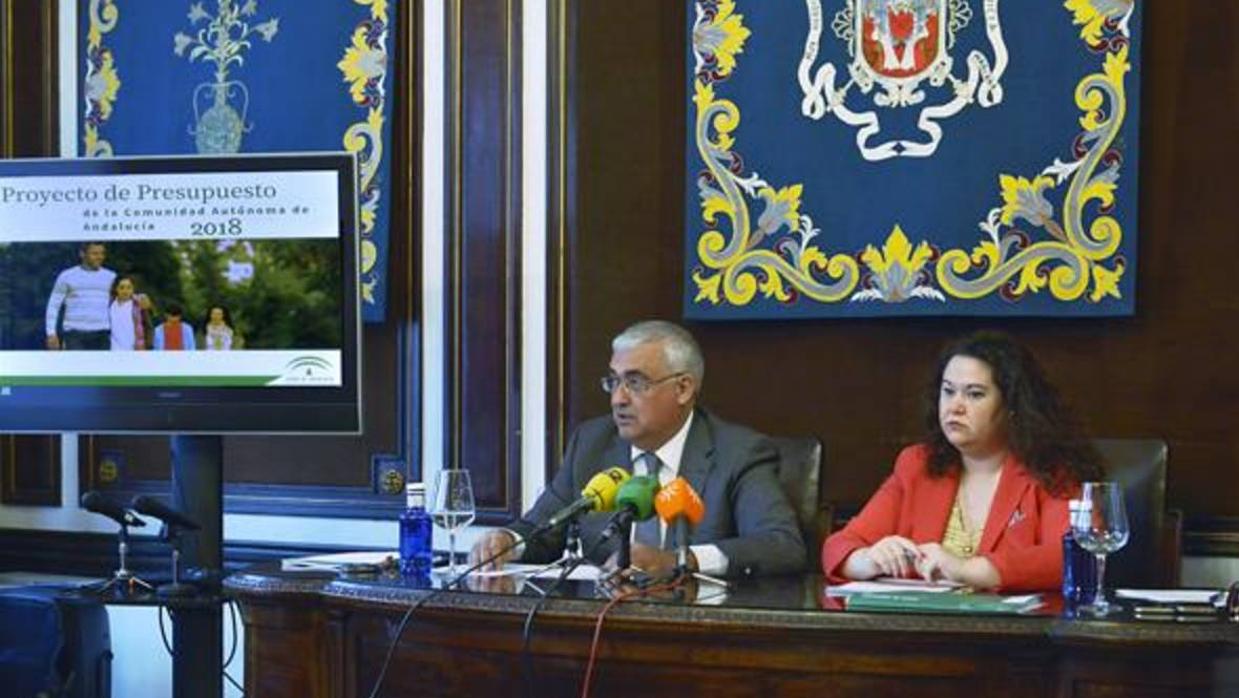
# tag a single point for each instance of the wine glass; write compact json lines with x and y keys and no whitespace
{"x":451,"y":508}
{"x":1101,"y":528}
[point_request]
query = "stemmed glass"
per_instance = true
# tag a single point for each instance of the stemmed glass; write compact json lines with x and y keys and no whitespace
{"x":451,"y":508}
{"x":1101,"y":528}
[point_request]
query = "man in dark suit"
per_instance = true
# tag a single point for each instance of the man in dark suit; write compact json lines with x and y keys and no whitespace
{"x":656,"y":428}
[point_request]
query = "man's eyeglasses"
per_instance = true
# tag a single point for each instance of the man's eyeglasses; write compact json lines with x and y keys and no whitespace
{"x":635,"y":384}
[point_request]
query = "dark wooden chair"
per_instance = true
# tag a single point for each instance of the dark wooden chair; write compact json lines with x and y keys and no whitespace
{"x":1151,"y":557}
{"x":800,"y":464}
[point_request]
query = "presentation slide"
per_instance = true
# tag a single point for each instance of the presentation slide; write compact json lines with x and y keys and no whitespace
{"x":212,"y":279}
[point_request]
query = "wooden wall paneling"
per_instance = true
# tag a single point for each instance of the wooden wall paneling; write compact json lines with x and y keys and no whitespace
{"x":342,"y":476}
{"x":29,"y":465}
{"x":560,"y":207}
{"x":483,"y":248}
{"x":1170,"y":371}
{"x":6,"y":78}
{"x":626,"y":140}
{"x":29,"y":85}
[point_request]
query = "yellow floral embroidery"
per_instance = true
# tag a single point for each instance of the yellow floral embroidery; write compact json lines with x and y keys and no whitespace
{"x":364,"y":69}
{"x":724,"y":37}
{"x":1089,"y":17}
{"x":102,"y":81}
{"x":360,"y":64}
{"x":735,"y":267}
{"x":896,"y":270}
{"x":1076,"y":253}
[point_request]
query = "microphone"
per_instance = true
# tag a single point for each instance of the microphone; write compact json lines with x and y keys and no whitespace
{"x":153,"y":507}
{"x":635,"y":502}
{"x":597,"y":495}
{"x":679,"y":506}
{"x":92,"y":501}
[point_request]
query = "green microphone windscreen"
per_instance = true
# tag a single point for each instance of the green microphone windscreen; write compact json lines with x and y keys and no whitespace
{"x":638,"y":494}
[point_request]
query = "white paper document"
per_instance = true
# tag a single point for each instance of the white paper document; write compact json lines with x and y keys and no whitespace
{"x":1204,"y":596}
{"x":890,"y":585}
{"x":337,"y":561}
{"x":582,"y":573}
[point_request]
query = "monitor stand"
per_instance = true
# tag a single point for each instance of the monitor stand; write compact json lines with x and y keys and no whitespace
{"x":197,"y":491}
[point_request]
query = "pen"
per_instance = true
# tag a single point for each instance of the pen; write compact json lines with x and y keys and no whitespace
{"x":713,"y":580}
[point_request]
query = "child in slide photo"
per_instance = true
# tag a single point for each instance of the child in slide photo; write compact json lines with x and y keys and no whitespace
{"x":174,"y":334}
{"x":128,"y":315}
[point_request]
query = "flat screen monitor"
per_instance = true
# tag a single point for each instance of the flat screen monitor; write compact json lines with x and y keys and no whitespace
{"x":180,"y":295}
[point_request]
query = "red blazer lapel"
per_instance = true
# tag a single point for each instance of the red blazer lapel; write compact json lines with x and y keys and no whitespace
{"x":1005,"y":509}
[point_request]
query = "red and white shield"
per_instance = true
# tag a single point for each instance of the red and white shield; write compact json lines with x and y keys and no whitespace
{"x":900,"y":39}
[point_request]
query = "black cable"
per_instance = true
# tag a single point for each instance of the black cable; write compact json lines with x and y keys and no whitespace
{"x":404,"y":621}
{"x":232,"y":615}
{"x":232,"y":653}
{"x":391,"y":649}
{"x":164,"y":635}
{"x":233,"y":681}
{"x":527,"y":633}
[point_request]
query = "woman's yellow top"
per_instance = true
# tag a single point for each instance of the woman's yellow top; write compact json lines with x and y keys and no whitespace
{"x":960,"y":539}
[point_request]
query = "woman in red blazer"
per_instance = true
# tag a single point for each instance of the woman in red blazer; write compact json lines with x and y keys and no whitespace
{"x":983,"y":501}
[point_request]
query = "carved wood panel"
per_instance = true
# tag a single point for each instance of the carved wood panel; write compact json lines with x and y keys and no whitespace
{"x":483,"y":250}
{"x":29,"y":465}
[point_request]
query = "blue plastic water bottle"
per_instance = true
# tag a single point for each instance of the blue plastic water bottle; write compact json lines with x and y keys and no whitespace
{"x":415,"y":533}
{"x":1079,"y":565}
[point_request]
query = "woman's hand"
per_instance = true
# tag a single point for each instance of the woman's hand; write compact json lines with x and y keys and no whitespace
{"x":893,"y":556}
{"x":976,"y":571}
{"x":934,"y":563}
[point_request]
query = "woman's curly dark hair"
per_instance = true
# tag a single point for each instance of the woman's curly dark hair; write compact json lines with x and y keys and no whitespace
{"x":1041,"y":431}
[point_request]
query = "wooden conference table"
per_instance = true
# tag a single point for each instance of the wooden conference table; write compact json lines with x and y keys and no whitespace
{"x":316,"y":634}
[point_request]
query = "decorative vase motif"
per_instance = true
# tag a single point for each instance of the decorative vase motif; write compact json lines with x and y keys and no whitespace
{"x":219,"y":128}
{"x":223,"y":40}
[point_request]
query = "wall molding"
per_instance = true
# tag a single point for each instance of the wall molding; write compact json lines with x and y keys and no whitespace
{"x":1211,"y":537}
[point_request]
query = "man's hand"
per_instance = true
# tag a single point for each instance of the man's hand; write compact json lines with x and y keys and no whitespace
{"x":655,"y":562}
{"x":53,"y":342}
{"x":493,"y":583}
{"x":489,"y":545}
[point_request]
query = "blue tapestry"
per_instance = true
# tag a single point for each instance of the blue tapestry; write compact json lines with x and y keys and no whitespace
{"x":859,"y":158}
{"x":228,"y":76}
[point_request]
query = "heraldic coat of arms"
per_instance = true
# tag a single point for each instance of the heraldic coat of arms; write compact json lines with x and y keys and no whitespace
{"x":901,"y":59}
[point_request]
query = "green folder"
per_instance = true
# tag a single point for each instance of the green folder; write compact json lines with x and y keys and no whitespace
{"x":942,"y":602}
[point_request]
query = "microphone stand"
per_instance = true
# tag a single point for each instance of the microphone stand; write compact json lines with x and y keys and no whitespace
{"x":572,"y":541}
{"x":681,"y":558}
{"x":624,"y":558}
{"x":573,"y":556}
{"x":172,"y":534}
{"x":123,"y":581}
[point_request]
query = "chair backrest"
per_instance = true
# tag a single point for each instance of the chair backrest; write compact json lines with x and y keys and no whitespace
{"x":800,"y":464}
{"x":1150,"y":558}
